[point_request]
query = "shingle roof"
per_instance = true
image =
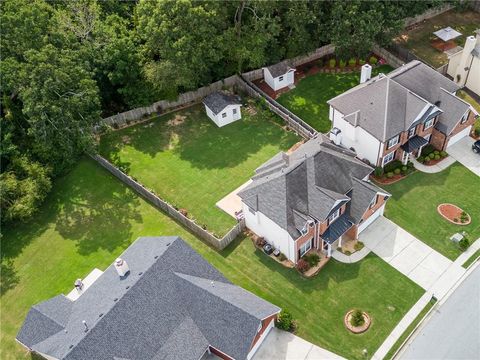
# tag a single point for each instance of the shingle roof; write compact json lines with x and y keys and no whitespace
{"x":172,"y":305}
{"x":389,"y":104}
{"x":362,"y":194}
{"x":280,"y":68}
{"x":217,"y":101}
{"x":454,"y":109}
{"x":310,"y":182}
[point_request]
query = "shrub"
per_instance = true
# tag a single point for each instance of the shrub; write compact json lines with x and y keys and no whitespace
{"x":357,"y":318}
{"x":342,"y":64}
{"x":396,"y":171}
{"x":437,"y":157}
{"x":390,"y":175}
{"x":436,"y":152}
{"x":361,"y":62}
{"x":302,"y":265}
{"x":463,"y":244}
{"x":320,"y":62}
{"x":404,"y":169}
{"x":358,"y":246}
{"x":420,"y":159}
{"x":373,"y":60}
{"x":427,"y":150}
{"x":260,"y":241}
{"x":285,"y":321}
{"x":282,"y":257}
{"x":455,"y":220}
{"x":395,"y":164}
{"x":348,"y":252}
{"x":352,"y":62}
{"x":378,"y":171}
{"x":313,"y":259}
{"x":410,"y":165}
{"x":477,"y":132}
{"x":431,"y":156}
{"x":443,"y":154}
{"x":332,"y":62}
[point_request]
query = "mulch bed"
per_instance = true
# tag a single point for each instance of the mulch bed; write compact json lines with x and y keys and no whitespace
{"x":441,"y":45}
{"x":357,"y":329}
{"x":433,"y":162}
{"x":451,"y":213}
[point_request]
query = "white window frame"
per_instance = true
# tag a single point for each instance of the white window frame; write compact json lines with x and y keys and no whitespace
{"x":373,"y":202}
{"x":464,"y":118}
{"x":224,"y":115}
{"x":393,"y":141}
{"x":334,"y":216}
{"x":308,"y":245}
{"x":427,"y":137}
{"x":280,"y":78}
{"x":234,"y":111}
{"x":388,"y":158}
{"x":411,"y":132}
{"x":428,"y":124}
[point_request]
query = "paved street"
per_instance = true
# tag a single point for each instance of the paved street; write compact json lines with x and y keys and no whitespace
{"x":453,"y":331}
{"x":462,"y":152}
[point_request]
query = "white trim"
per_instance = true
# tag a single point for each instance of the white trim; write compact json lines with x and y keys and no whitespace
{"x":410,"y":130}
{"x":334,"y":216}
{"x":393,"y":141}
{"x":428,"y":124}
{"x":308,"y":245}
{"x":388,"y":158}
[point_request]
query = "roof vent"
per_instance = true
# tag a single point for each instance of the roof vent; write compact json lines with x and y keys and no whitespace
{"x":85,"y":324}
{"x":78,"y":285}
{"x":121,"y":267}
{"x":212,"y":283}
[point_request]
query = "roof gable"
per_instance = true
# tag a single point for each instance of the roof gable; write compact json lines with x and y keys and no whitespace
{"x":218,"y":101}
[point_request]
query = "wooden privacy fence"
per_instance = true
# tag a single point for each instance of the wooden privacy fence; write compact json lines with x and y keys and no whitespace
{"x":411,"y":21}
{"x":170,"y":210}
{"x":293,"y":121}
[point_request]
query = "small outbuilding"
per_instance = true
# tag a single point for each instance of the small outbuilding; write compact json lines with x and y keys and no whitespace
{"x":279,"y":76}
{"x":223,"y":108}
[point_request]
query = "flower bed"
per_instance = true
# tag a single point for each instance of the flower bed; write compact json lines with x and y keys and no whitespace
{"x":357,"y":329}
{"x":454,"y":214}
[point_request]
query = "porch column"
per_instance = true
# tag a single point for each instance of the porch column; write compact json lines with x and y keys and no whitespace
{"x":340,"y":241}
{"x":329,"y":252}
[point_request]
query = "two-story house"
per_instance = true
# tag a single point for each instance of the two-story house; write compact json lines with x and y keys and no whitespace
{"x":312,"y":198}
{"x":394,"y":116}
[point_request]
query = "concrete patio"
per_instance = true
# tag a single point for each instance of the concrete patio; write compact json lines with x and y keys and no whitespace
{"x":232,"y":202}
{"x":462,"y":152}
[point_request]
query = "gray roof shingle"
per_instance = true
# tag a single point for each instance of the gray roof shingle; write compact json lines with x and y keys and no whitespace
{"x":163,"y":305}
{"x":217,"y":101}
{"x":280,"y":68}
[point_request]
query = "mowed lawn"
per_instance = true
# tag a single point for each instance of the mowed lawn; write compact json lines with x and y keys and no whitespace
{"x":418,"y":40}
{"x":191,"y":163}
{"x":414,"y":203}
{"x":89,"y":219}
{"x":309,"y":98}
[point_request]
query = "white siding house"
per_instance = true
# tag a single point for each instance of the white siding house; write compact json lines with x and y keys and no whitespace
{"x":222,"y":108}
{"x":279,"y":76}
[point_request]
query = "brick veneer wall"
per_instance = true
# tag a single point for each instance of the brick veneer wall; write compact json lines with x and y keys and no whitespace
{"x":265,"y":323}
{"x":440,"y":141}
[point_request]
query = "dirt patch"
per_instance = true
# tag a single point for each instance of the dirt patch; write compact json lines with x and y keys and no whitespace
{"x":357,"y":329}
{"x":453,"y":214}
{"x":126,"y":139}
{"x":177,"y":120}
{"x":251,"y":110}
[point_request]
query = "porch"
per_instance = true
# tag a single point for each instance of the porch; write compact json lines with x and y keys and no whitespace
{"x":336,"y":234}
{"x":412,"y":148}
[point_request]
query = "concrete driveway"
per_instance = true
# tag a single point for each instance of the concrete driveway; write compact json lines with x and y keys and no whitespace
{"x":282,"y":345}
{"x":462,"y":152}
{"x":405,"y":252}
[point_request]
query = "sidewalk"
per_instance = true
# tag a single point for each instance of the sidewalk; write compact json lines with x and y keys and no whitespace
{"x":350,"y":259}
{"x":442,"y":165}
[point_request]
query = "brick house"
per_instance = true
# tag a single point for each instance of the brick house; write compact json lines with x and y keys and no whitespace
{"x":160,"y":300}
{"x":315,"y":197}
{"x":392,"y":117}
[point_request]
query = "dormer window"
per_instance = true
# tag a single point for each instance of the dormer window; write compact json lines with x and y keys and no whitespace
{"x":411,"y":132}
{"x":464,"y":118}
{"x":428,"y":124}
{"x":334,"y":216}
{"x":393,"y":141}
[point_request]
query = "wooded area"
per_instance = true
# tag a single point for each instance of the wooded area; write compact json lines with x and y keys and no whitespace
{"x":67,"y":64}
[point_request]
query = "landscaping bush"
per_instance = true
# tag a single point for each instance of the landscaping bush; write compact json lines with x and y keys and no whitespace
{"x":332,"y":62}
{"x":358,"y":246}
{"x":378,"y":171}
{"x":463,"y":217}
{"x":437,"y":157}
{"x":361,"y":62}
{"x":320,"y":63}
{"x":404,"y":169}
{"x":395,"y":164}
{"x":431,"y":156}
{"x":302,"y":265}
{"x":348,"y":252}
{"x":390,"y":175}
{"x":396,"y":171}
{"x":410,"y":165}
{"x":285,"y":321}
{"x":282,"y":257}
{"x":312,"y":259}
{"x":373,"y":60}
{"x":463,"y":244}
{"x":427,"y":150}
{"x":357,"y":318}
{"x":342,"y":64}
{"x":436,"y":152}
{"x":443,"y":154}
{"x":352,"y":62}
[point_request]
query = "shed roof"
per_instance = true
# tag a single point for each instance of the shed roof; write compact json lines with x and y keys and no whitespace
{"x":447,"y":34}
{"x":217,"y":101}
{"x":280,"y":68}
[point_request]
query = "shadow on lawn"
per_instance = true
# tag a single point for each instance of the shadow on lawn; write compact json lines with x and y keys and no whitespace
{"x":9,"y":278}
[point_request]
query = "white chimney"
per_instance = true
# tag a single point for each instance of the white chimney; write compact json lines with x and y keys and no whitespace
{"x":366,"y":73}
{"x":336,"y":136}
{"x":465,"y":60}
{"x":121,"y":267}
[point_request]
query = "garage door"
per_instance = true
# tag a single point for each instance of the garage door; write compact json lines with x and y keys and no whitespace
{"x":371,"y":219}
{"x":460,"y":135}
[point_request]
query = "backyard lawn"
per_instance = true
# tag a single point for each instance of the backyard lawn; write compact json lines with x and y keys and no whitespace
{"x":90,"y":217}
{"x":414,"y":203}
{"x":418,"y":39}
{"x":309,"y":98}
{"x":191,"y":163}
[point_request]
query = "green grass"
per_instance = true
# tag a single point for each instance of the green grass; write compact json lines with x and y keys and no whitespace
{"x":418,"y":39}
{"x":475,"y":256}
{"x":195,"y":164}
{"x":309,"y":99}
{"x":409,"y":329}
{"x":414,"y":203}
{"x":90,"y":217}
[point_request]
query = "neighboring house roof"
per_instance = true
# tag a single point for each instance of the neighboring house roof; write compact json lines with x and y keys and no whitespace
{"x":389,"y":104}
{"x":280,"y":69}
{"x":309,"y":183}
{"x":217,"y":101}
{"x":172,"y":305}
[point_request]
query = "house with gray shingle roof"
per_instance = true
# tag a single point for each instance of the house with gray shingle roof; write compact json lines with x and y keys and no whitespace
{"x":280,"y":75}
{"x":223,"y":108}
{"x":313,"y":198}
{"x":160,"y":300}
{"x":392,"y":117}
